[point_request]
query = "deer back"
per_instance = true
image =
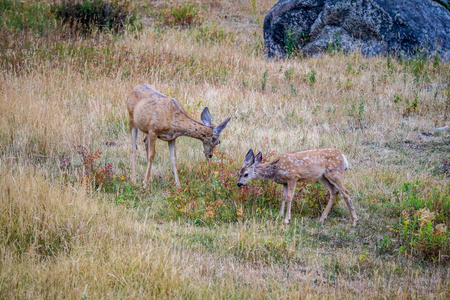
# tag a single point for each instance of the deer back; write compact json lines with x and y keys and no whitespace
{"x":310,"y":164}
{"x":138,"y":93}
{"x":165,"y":118}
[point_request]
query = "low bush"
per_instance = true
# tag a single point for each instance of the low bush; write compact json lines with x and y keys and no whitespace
{"x":421,"y":236}
{"x":423,"y":221}
{"x":20,"y":16}
{"x":413,"y":196}
{"x":89,"y":15}
{"x":97,"y":175}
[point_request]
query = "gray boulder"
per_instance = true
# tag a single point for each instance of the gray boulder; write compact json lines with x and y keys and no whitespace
{"x":398,"y":27}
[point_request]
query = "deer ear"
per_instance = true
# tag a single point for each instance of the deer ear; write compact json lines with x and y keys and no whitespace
{"x":258,"y":158}
{"x":218,"y":130}
{"x":206,"y":117}
{"x":249,"y":158}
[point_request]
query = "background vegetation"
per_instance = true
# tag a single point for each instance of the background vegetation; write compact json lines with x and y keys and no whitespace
{"x":72,"y":225}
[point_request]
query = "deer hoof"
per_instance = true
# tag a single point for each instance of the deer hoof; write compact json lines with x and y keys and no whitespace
{"x":286,"y":222}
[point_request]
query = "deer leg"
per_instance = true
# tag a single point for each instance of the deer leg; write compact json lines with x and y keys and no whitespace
{"x":333,"y":194}
{"x":336,"y":181}
{"x":290,"y":194}
{"x":173,"y":159}
{"x":146,"y":145}
{"x":134,"y":133}
{"x":285,"y":189}
{"x":150,"y":156}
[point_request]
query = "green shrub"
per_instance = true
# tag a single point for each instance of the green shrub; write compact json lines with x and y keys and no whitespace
{"x":416,"y":195}
{"x":419,"y":66}
{"x":423,"y":221}
{"x":264,"y":80}
{"x":290,"y":43}
{"x":19,"y":16}
{"x":334,"y":46}
{"x":293,"y":41}
{"x":311,"y":77}
{"x":386,"y":245}
{"x":421,"y":236}
{"x":88,"y":15}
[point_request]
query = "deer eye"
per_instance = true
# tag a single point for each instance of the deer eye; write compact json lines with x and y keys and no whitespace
{"x":246,"y":175}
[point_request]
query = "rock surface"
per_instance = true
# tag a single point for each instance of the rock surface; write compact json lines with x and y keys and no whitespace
{"x":399,"y":27}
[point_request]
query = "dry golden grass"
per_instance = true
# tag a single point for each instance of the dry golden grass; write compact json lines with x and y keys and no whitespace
{"x":61,"y":239}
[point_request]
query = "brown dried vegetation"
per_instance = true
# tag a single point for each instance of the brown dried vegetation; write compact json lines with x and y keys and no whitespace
{"x":60,"y":238}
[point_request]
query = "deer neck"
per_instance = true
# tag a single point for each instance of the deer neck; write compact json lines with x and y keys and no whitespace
{"x":266,"y":172}
{"x":186,"y":126}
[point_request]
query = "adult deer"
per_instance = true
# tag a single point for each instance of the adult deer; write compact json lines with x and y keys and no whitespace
{"x":159,"y":116}
{"x":326,"y":165}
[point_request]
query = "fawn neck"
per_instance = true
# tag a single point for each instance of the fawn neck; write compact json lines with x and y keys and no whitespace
{"x":267,"y":172}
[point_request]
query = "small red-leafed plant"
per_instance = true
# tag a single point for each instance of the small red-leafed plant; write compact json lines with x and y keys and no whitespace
{"x":96,"y":174}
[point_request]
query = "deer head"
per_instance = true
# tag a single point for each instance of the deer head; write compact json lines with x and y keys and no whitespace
{"x":210,"y":143}
{"x":248,"y":171}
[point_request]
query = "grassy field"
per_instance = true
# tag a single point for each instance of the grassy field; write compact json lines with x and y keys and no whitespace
{"x":72,"y":224}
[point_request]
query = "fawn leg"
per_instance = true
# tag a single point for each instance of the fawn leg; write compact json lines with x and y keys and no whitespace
{"x":290,"y":194}
{"x":336,"y":180}
{"x":333,"y":194}
{"x":285,"y":189}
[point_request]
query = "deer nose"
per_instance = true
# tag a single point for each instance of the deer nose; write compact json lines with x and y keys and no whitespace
{"x":239,"y":184}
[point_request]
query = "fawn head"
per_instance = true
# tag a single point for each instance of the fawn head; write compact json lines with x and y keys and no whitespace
{"x":247,"y":171}
{"x":210,"y":143}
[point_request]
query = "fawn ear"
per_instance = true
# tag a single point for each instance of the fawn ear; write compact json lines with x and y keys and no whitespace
{"x":275,"y":161}
{"x":249,"y":158}
{"x":258,"y":158}
{"x":218,"y":130}
{"x":206,"y":117}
